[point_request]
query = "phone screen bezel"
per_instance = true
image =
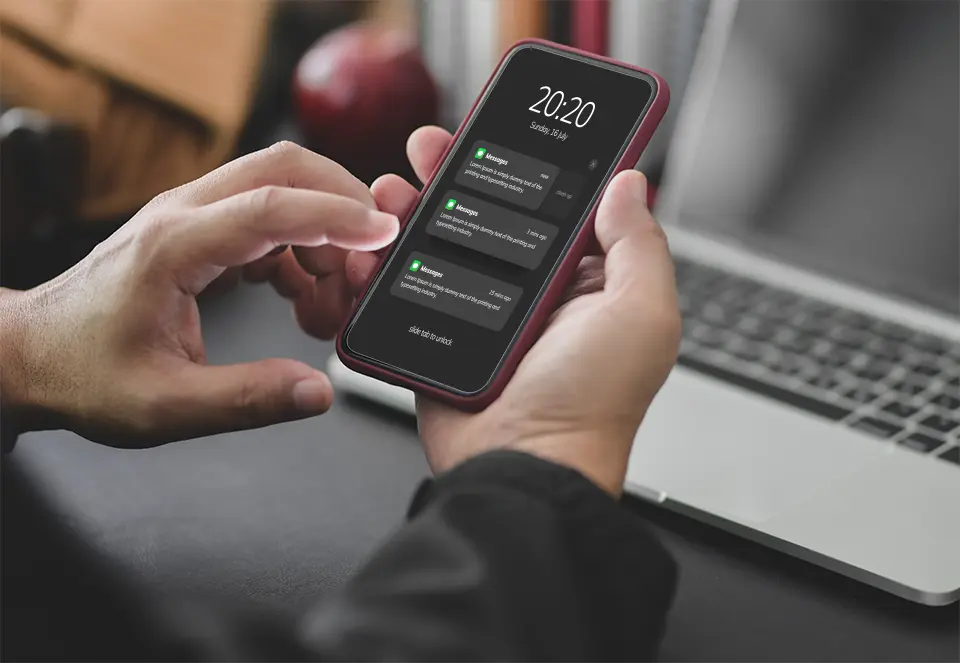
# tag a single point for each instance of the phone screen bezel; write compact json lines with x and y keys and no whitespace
{"x":429,"y":190}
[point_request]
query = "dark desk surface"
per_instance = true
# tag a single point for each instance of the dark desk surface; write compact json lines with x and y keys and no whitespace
{"x":279,"y":515}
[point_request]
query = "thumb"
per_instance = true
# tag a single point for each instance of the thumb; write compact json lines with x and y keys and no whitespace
{"x":217,"y":399}
{"x":638,"y":262}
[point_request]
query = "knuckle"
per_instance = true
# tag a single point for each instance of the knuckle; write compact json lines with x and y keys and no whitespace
{"x":151,"y":233}
{"x":285,"y":151}
{"x":254,"y":405}
{"x":247,"y":398}
{"x":654,"y":231}
{"x":163,"y":199}
{"x":157,"y":222}
{"x":263,"y":200}
{"x":175,"y":197}
{"x":285,"y":147}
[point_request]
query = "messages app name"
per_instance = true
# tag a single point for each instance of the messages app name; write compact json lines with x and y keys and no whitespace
{"x":431,"y":272}
{"x":490,"y":157}
{"x":465,"y":210}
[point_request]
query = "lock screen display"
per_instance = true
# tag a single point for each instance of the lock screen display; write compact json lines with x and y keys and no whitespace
{"x":491,"y":230}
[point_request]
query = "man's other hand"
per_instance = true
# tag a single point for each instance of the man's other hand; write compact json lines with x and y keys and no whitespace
{"x":112,"y":348}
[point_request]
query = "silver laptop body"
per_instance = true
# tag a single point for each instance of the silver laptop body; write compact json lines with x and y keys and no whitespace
{"x":816,"y":154}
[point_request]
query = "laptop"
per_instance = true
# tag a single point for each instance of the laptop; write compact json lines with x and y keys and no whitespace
{"x":812,"y":202}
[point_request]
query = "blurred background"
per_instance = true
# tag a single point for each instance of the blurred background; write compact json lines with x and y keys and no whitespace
{"x":819,"y":132}
{"x":106,"y":103}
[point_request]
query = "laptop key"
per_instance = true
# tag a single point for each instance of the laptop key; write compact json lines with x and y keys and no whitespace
{"x":877,"y":427}
{"x":928,"y":343}
{"x":885,"y":348}
{"x":732,"y":297}
{"x":793,"y":342}
{"x":892,"y":331}
{"x":784,"y":298}
{"x":940,"y":423}
{"x":873,"y":372}
{"x":909,"y":388}
{"x":926,"y":370}
{"x":951,"y":455}
{"x":818,"y":308}
{"x":825,"y":381}
{"x":831,"y":354}
{"x":800,"y":370}
{"x":707,"y":336}
{"x":922,"y":443}
{"x":809,"y":324}
{"x":756,"y":329}
{"x":714,"y":314}
{"x":813,"y":405}
{"x":900,"y":410}
{"x":772,"y":312}
{"x":745,"y":350}
{"x":849,"y":338}
{"x":854,"y":319}
{"x":946,"y":401}
{"x":861,"y":393}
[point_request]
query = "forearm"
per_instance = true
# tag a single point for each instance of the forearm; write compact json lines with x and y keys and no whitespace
{"x":506,"y":557}
{"x":13,"y":398}
{"x":30,"y":378}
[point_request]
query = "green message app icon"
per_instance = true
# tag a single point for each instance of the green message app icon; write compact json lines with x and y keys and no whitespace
{"x":451,"y":203}
{"x":415,"y":265}
{"x":480,"y":153}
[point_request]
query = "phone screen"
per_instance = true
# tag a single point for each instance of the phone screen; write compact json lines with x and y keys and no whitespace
{"x":496,"y":220}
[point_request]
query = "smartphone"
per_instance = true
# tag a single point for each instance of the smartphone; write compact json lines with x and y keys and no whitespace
{"x":499,"y":229}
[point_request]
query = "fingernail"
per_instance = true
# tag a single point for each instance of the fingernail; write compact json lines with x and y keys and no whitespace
{"x":312,"y":395}
{"x":383,"y":220}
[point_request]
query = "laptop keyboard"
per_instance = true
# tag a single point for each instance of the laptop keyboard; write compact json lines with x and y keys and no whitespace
{"x":882,"y":378}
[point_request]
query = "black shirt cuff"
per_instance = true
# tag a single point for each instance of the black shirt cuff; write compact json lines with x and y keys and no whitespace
{"x":622,"y":570}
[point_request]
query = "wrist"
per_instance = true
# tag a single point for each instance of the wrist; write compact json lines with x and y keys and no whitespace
{"x":593,"y":455}
{"x":518,"y":471}
{"x":599,"y":450}
{"x":22,"y":409}
{"x":599,"y":455}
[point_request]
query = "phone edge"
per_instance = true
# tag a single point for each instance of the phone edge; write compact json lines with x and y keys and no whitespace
{"x":555,"y":288}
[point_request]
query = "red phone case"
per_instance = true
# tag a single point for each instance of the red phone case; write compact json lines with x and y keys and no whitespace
{"x":561,"y":278}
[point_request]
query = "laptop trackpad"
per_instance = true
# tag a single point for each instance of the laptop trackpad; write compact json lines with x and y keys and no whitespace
{"x":738,"y":455}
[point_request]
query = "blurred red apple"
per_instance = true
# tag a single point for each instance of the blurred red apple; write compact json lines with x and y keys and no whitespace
{"x":360,"y":91}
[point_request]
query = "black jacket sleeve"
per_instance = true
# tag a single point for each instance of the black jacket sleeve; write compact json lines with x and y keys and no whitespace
{"x":505,"y":557}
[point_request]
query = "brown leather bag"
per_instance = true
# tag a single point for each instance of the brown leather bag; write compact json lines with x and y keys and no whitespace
{"x":161,"y":88}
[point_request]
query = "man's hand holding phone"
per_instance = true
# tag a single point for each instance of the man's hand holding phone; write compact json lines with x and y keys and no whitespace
{"x":580,"y":393}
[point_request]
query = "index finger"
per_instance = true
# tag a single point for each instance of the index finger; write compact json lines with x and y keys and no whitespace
{"x":247,"y":226}
{"x":425,"y":148}
{"x":283,"y":164}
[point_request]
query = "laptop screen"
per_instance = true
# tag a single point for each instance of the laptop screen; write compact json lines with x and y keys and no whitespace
{"x":829,"y":138}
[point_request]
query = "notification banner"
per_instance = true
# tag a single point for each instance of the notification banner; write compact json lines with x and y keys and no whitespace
{"x":457,"y":291}
{"x":492,"y":230}
{"x":506,"y":174}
